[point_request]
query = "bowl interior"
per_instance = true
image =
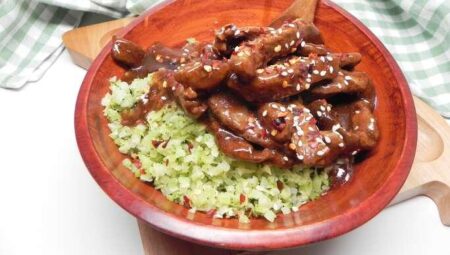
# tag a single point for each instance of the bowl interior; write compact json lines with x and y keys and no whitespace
{"x":376,"y":179}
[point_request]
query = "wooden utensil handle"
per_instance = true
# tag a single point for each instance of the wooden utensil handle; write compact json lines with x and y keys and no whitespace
{"x":430,"y":174}
{"x":299,"y":8}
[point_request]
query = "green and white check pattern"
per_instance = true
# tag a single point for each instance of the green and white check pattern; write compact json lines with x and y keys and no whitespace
{"x":416,"y":32}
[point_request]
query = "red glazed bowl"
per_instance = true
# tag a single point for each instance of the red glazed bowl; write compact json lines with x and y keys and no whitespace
{"x":375,"y":182}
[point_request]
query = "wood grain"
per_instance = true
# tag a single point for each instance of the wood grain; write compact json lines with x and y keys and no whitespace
{"x":335,"y":213}
{"x":304,"y":9}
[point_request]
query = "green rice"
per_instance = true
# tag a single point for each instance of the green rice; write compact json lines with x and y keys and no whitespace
{"x":202,"y":175}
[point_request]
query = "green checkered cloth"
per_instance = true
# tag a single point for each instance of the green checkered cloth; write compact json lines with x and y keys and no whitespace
{"x":416,"y":32}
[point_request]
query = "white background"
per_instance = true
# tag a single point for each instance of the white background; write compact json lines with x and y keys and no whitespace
{"x":49,"y":204}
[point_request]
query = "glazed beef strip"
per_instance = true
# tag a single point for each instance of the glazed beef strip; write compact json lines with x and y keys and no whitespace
{"x":252,"y":55}
{"x":235,"y":116}
{"x":269,"y":95}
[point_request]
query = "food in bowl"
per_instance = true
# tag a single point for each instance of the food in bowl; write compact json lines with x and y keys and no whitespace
{"x":258,"y":122}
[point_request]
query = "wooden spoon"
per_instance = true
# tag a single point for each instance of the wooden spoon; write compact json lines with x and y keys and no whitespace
{"x":304,"y":9}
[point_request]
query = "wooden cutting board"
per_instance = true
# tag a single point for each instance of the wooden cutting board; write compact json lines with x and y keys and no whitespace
{"x":429,"y":176}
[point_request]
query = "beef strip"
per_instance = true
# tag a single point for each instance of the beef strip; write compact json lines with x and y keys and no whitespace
{"x":236,"y":117}
{"x":254,"y":54}
{"x":238,"y":148}
{"x":347,"y":83}
{"x":230,"y":36}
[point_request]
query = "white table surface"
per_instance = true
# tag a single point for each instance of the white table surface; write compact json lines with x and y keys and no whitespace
{"x":51,"y":205}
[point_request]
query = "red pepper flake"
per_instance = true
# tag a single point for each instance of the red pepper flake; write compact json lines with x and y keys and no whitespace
{"x":264,"y":133}
{"x":211,"y":212}
{"x":166,"y":162}
{"x":313,"y":121}
{"x":312,"y":55}
{"x":242,"y":198}
{"x":279,"y":124}
{"x":137,"y":163}
{"x":142,"y":171}
{"x":186,"y":201}
{"x":280,"y":185}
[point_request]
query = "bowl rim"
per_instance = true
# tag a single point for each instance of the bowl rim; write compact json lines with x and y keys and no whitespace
{"x":238,"y":238}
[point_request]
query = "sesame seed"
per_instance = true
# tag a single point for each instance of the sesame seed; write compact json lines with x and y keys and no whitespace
{"x":284,"y":73}
{"x":298,"y":87}
{"x":274,"y":106}
{"x":285,"y":84}
{"x":320,"y":153}
{"x":292,"y":146}
{"x":329,"y":58}
{"x":316,"y":72}
{"x":307,"y":85}
{"x":346,"y":82}
{"x":354,"y":153}
{"x":292,"y":61}
{"x":260,"y":71}
{"x":285,"y":158}
{"x":348,"y":78}
{"x":237,"y":32}
{"x":277,"y":48}
{"x":300,"y":157}
{"x":357,"y":111}
{"x":356,"y":128}
{"x":331,"y":69}
{"x":274,"y":132}
{"x":291,"y":71}
{"x":297,"y":35}
{"x":299,"y":143}
{"x":339,"y":86}
{"x":264,"y":113}
{"x":282,"y":108}
{"x":327,"y":139}
{"x":336,"y":127}
{"x":286,"y":45}
{"x":164,"y":84}
{"x":322,"y":108}
{"x":322,"y":73}
{"x":311,"y":129}
{"x":322,"y":59}
{"x":292,"y":43}
{"x":207,"y":68}
{"x":308,"y":80}
{"x":279,"y":30}
{"x":306,"y":110}
{"x":341,"y":145}
{"x":163,"y":98}
{"x":303,"y":43}
{"x":340,"y":73}
{"x":240,"y":54}
{"x":291,"y":25}
{"x":319,"y":113}
{"x":328,"y":108}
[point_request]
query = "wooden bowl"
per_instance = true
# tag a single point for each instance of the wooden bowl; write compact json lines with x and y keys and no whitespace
{"x":375,"y":183}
